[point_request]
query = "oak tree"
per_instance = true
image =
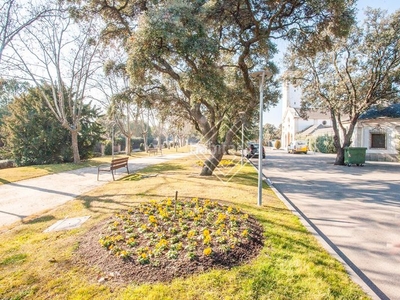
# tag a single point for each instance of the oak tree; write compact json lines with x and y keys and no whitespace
{"x":351,"y":76}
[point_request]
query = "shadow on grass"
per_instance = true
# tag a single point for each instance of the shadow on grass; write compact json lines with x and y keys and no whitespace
{"x":3,"y":181}
{"x":40,"y":220}
{"x":106,"y":201}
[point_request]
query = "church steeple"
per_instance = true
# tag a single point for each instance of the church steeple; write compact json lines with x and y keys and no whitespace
{"x":291,"y":96}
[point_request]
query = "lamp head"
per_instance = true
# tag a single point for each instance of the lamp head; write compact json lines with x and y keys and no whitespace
{"x":260,"y":73}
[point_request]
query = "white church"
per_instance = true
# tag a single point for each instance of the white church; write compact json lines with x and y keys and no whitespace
{"x":378,"y":130}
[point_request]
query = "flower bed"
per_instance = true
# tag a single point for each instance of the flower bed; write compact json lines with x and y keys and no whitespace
{"x":189,"y":229}
{"x":181,"y":238}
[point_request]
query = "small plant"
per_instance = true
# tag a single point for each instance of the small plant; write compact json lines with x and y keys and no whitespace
{"x":277,"y":144}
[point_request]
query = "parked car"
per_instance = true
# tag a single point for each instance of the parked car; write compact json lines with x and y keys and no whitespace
{"x":298,"y":147}
{"x":252,"y":151}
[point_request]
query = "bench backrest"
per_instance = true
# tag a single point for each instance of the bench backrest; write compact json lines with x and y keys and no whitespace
{"x":119,"y":163}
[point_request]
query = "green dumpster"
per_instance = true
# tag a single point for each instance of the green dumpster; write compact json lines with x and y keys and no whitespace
{"x":354,"y":156}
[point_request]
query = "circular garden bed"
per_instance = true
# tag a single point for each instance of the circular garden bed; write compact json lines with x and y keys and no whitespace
{"x":159,"y":241}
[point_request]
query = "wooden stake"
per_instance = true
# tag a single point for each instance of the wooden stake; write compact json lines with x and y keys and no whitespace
{"x":176,"y":199}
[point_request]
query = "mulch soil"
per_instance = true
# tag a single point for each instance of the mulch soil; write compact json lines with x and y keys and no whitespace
{"x":116,"y":270}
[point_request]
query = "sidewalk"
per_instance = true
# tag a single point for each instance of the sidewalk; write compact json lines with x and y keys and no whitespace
{"x":27,"y":197}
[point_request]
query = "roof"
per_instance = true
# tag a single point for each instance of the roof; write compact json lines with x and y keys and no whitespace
{"x":317,"y":130}
{"x":391,"y":111}
{"x":313,"y":113}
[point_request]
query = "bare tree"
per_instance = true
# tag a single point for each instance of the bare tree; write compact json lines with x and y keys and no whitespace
{"x":16,"y":16}
{"x":58,"y":53}
{"x":121,"y":105}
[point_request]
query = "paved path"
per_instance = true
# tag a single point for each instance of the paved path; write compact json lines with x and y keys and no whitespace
{"x":355,"y":208}
{"x":24,"y":198}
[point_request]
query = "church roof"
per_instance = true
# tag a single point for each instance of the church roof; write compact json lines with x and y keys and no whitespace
{"x":391,"y":111}
{"x":313,"y":113}
{"x":318,"y":129}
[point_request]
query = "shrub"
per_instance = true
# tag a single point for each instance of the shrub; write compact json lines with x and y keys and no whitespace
{"x":324,"y":144}
{"x":136,"y":141}
{"x":277,"y":144}
{"x":108,"y":148}
{"x":141,"y":147}
{"x":6,"y":164}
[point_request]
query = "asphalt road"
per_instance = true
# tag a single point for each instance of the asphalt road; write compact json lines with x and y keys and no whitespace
{"x":356,"y":210}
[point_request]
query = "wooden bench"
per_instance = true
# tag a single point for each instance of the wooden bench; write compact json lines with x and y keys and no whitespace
{"x":152,"y":150}
{"x":116,"y":163}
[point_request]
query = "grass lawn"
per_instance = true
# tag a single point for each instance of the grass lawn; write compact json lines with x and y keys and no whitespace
{"x":291,"y":264}
{"x":21,"y":173}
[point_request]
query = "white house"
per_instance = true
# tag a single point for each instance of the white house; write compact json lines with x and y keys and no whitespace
{"x":378,"y":129}
{"x":293,"y":124}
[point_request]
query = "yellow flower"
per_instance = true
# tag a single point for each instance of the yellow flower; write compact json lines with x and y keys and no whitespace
{"x":208,"y":203}
{"x":207,"y":240}
{"x":207,"y":251}
{"x":206,"y":232}
{"x":191,"y":234}
{"x":221,"y":218}
{"x":245,"y":233}
{"x":162,"y":243}
{"x":130,"y":240}
{"x":124,"y":254}
{"x":152,"y":220}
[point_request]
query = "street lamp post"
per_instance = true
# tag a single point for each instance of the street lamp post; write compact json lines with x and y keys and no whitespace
{"x":261,"y":75}
{"x":241,"y":114}
{"x":112,"y":139}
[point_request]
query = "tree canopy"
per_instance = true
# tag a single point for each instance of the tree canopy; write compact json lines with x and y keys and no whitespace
{"x":34,"y":135}
{"x":352,"y":75}
{"x":203,"y":53}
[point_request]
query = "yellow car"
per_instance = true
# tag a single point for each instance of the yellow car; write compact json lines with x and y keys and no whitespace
{"x":298,"y":147}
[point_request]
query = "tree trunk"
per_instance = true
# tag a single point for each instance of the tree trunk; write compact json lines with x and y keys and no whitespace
{"x":128,"y":148}
{"x":146,"y":147}
{"x":160,"y":146}
{"x":75,"y":148}
{"x":339,"y":156}
{"x":212,"y":162}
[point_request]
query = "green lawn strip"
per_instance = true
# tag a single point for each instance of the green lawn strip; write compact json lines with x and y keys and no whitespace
{"x":291,"y":265}
{"x":21,"y":173}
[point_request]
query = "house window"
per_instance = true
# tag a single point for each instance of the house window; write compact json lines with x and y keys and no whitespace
{"x":378,"y":140}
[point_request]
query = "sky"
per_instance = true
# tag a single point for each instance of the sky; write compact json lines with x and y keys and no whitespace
{"x":274,"y":115}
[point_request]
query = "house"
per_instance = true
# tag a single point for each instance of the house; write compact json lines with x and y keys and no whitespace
{"x":378,"y":129}
{"x":293,"y":125}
